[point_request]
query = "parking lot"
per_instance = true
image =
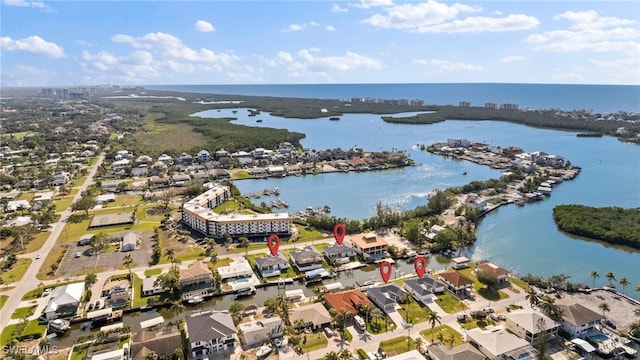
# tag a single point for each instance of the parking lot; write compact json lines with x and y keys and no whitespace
{"x":73,"y":266}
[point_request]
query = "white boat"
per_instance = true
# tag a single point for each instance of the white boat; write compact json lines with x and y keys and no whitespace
{"x":195,"y":300}
{"x":59,"y":325}
{"x":264,"y":350}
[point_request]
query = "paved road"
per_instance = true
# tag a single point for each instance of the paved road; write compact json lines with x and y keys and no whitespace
{"x":29,"y":280}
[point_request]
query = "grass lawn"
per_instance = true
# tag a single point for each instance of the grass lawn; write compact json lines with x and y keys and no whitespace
{"x":487,"y":293}
{"x":88,"y":271}
{"x":227,"y":206}
{"x":252,"y":246}
{"x":79,"y":351}
{"x":138,"y":300}
{"x":417,"y":312}
{"x":123,"y":267}
{"x":290,"y":272}
{"x":32,"y":328}
{"x":309,"y":235}
{"x":152,"y":272}
{"x":55,"y":256}
{"x":63,"y":203}
{"x":220,"y":263}
{"x":475,"y":323}
{"x":78,"y":181}
{"x":16,"y":272}
{"x":3,"y":300}
{"x":397,"y":345}
{"x":521,"y":284}
{"x":240,"y":174}
{"x":449,"y":303}
{"x":19,"y":135}
{"x":447,"y":331}
{"x":23,"y":312}
{"x":377,"y":326}
{"x":183,"y":251}
{"x":37,"y":242}
{"x":314,"y":342}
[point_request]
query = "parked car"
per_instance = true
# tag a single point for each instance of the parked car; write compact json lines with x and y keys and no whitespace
{"x":277,"y":342}
{"x":90,"y":307}
{"x":382,"y":353}
{"x":78,"y":254}
{"x":37,"y":256}
{"x":97,"y":304}
{"x":328,"y":332}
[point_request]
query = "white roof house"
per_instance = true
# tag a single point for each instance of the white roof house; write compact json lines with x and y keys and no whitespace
{"x":235,"y":270}
{"x":129,"y":242}
{"x":256,"y":331}
{"x":497,"y":342}
{"x":15,"y":205}
{"x":529,"y":323}
{"x":64,"y":300}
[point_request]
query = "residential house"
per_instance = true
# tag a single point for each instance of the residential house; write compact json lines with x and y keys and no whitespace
{"x":239,"y":269}
{"x":165,"y":159}
{"x":501,"y":274}
{"x":120,"y":164}
{"x":460,"y":262}
{"x":314,"y":316}
{"x":196,"y":277}
{"x":60,"y":179}
{"x":529,"y":324}
{"x":340,"y":254}
{"x":15,"y":205}
{"x":143,"y":160}
{"x":159,"y":182}
{"x":204,"y":156}
{"x":129,"y":241}
{"x":370,"y":246}
{"x":439,"y":351}
{"x":258,"y":331}
{"x":423,"y":289}
{"x":578,"y":320}
{"x":499,"y":344}
{"x":149,"y":286}
{"x":307,"y":258}
{"x":180,"y":179}
{"x":140,"y":171}
{"x":209,"y":332}
{"x":219,"y":174}
{"x":64,"y":301}
{"x":269,"y":266}
{"x":117,"y":354}
{"x":456,"y":283}
{"x":352,"y":300}
{"x":386,"y":296}
{"x":114,"y":286}
{"x":185,"y":158}
{"x":222,"y":153}
{"x":163,"y":342}
{"x":117,"y":292}
{"x":276,"y":171}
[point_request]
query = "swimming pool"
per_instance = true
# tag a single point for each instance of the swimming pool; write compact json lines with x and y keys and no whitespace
{"x":598,"y":337}
{"x":241,"y":281}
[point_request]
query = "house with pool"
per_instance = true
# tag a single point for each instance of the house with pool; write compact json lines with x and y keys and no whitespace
{"x":270,"y":266}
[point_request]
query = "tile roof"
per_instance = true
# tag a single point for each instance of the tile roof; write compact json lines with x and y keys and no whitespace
{"x":455,"y":278}
{"x":366,"y":241}
{"x":349,"y":299}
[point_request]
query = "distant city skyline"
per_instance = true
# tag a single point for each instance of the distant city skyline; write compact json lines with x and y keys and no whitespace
{"x":305,"y":42}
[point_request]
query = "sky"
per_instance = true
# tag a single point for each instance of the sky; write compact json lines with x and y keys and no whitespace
{"x":69,"y":43}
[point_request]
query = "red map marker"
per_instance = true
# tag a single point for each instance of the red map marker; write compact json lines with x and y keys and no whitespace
{"x":274,"y":244}
{"x":420,"y":264}
{"x":339,"y":232}
{"x":385,"y":270}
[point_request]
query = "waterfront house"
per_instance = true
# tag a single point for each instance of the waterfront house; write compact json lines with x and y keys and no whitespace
{"x":460,"y":262}
{"x":423,"y":289}
{"x":306,"y":259}
{"x":578,"y":320}
{"x":456,"y":283}
{"x":497,"y":343}
{"x":196,"y":277}
{"x":386,"y":296}
{"x":529,"y":324}
{"x":256,"y":332}
{"x":239,"y":269}
{"x":439,"y":351}
{"x":352,"y":300}
{"x":276,"y":171}
{"x":209,"y":333}
{"x":340,"y":254}
{"x":489,"y":267}
{"x":115,"y":286}
{"x":64,"y":301}
{"x":369,"y":246}
{"x":149,"y":286}
{"x":269,"y":266}
{"x":162,"y":341}
{"x":314,"y":316}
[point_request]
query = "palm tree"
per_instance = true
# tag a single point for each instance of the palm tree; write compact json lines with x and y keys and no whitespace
{"x":332,"y":355}
{"x":170,"y":254}
{"x":345,"y":354}
{"x":440,"y":336}
{"x":244,"y":242}
{"x":406,"y":299}
{"x":605,"y":308}
{"x":433,"y":318}
{"x":377,"y":314}
{"x":178,"y":354}
{"x":344,"y":314}
{"x":533,"y":298}
{"x":127,"y":261}
{"x":594,"y":274}
{"x":419,"y":342}
{"x":624,"y":282}
{"x":366,"y":310}
{"x":177,"y":306}
{"x":610,"y":277}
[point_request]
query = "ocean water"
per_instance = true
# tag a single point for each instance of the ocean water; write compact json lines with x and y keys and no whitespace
{"x":600,"y":98}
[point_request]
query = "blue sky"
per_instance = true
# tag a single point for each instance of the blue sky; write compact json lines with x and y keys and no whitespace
{"x":289,"y":42}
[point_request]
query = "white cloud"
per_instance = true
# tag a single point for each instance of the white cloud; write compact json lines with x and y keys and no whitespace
{"x":416,"y":16}
{"x":447,"y":66}
{"x":330,"y":28}
{"x":169,"y":46}
{"x":592,"y":20}
{"x":513,"y":58}
{"x":337,"y":9}
{"x":308,"y":64}
{"x":25,"y":75}
{"x":24,"y":3}
{"x":204,"y":26}
{"x":482,"y":23}
{"x":33,"y":44}
{"x":300,"y":27}
{"x":365,"y":4}
{"x":590,"y":32}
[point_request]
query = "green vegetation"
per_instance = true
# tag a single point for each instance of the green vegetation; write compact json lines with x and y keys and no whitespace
{"x":152,"y":272}
{"x":543,"y":118}
{"x":449,"y":303}
{"x":308,"y":235}
{"x":227,"y":207}
{"x":313,"y":342}
{"x":23,"y":312}
{"x":614,"y":225}
{"x":63,"y":203}
{"x":397,"y":345}
{"x":447,"y":332}
{"x":486,"y":292}
{"x":22,"y":331}
{"x":16,"y":272}
{"x":54,"y":258}
{"x":3,"y":300}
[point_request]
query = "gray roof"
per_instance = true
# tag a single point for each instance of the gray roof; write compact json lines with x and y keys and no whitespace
{"x":461,"y":352}
{"x":337,"y":250}
{"x":209,"y":326}
{"x":386,"y":294}
{"x":306,"y":255}
{"x":579,"y":315}
{"x":269,"y":260}
{"x":423,"y":285}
